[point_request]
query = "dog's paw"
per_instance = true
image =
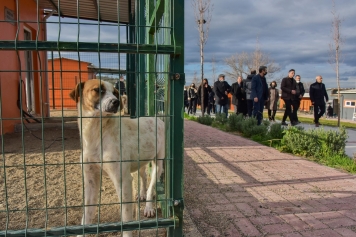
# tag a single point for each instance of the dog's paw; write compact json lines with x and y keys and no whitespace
{"x":149,"y":212}
{"x":142,"y":197}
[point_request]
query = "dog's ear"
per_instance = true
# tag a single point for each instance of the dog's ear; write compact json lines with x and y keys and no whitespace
{"x":76,"y":93}
{"x":117,"y":94}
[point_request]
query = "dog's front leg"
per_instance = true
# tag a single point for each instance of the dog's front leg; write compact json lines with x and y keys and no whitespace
{"x":123,"y":189}
{"x":91,"y":189}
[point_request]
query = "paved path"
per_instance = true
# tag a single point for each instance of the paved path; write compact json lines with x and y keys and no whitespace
{"x":236,"y":187}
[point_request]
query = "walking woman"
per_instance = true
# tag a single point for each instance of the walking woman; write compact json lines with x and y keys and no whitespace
{"x":192,"y":99}
{"x":272,"y":100}
{"x":205,"y":96}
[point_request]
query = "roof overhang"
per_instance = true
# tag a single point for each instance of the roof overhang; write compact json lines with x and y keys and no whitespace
{"x":97,"y":10}
{"x":101,"y":70}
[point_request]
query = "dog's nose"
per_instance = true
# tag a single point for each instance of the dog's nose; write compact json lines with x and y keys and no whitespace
{"x":115,"y":102}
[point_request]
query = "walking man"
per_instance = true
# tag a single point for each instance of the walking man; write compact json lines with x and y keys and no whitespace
{"x":259,"y":93}
{"x":221,"y":90}
{"x":247,"y":87}
{"x":288,"y":87}
{"x":238,"y":96}
{"x":299,"y":95}
{"x":318,"y":97}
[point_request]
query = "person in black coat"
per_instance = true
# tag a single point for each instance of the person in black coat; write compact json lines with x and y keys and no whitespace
{"x":238,"y":96}
{"x":299,"y":95}
{"x":221,"y":90}
{"x":318,"y":97}
{"x":259,"y":93}
{"x":247,"y":88}
{"x":186,"y":102}
{"x":288,"y":88}
{"x":120,"y":85}
{"x":205,"y":96}
{"x":192,"y":99}
{"x":330,"y":111}
{"x":211,"y":99}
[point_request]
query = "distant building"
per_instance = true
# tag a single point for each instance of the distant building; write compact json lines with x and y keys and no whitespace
{"x":305,"y":103}
{"x":64,"y":74}
{"x":347,"y":102}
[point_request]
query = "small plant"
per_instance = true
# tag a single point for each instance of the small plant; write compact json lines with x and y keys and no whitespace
{"x":275,"y":131}
{"x":190,"y":117}
{"x":220,"y":118}
{"x":250,"y":128}
{"x":316,"y":142}
{"x":234,"y":123}
{"x":207,"y":120}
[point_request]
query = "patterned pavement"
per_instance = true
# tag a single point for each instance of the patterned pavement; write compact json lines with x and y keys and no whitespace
{"x":237,"y":187}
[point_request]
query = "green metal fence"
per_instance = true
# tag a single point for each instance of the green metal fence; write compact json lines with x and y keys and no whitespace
{"x":49,"y":46}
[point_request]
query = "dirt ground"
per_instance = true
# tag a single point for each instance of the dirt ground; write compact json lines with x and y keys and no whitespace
{"x":43,"y":181}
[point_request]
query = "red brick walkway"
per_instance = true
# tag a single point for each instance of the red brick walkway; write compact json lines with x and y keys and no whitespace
{"x":236,"y":187}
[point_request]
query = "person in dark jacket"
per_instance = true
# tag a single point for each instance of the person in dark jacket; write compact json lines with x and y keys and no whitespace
{"x":238,"y":96}
{"x":192,"y":98}
{"x":259,"y":93}
{"x":211,"y":96}
{"x":120,"y":85}
{"x":318,"y":97}
{"x":186,"y":102}
{"x":299,"y":95}
{"x":288,"y":87}
{"x":330,"y":111}
{"x":221,"y":90}
{"x":247,"y":88}
{"x":205,"y":96}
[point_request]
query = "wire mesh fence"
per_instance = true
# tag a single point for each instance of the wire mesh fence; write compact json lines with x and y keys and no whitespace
{"x":91,"y":111}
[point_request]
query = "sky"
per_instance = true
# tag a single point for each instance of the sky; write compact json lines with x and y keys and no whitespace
{"x":295,"y":34}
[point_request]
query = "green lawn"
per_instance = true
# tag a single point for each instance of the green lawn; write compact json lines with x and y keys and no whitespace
{"x":323,"y":121}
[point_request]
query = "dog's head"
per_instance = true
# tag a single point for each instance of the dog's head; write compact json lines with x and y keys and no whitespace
{"x":97,"y":95}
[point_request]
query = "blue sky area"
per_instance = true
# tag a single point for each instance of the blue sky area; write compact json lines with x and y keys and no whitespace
{"x":295,"y":34}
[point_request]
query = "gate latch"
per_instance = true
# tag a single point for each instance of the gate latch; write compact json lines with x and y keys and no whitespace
{"x":177,"y":76}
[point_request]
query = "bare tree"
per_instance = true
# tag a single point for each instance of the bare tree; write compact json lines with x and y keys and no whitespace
{"x":335,"y":53}
{"x":195,"y":79}
{"x":243,"y":63}
{"x":213,"y":68}
{"x":238,"y":65}
{"x":203,"y":15}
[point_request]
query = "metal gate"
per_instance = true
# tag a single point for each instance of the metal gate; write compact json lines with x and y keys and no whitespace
{"x":62,"y":45}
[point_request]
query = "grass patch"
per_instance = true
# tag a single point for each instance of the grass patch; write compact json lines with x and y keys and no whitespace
{"x":309,"y":120}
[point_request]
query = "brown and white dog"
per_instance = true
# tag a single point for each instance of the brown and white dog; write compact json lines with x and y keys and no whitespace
{"x":126,"y":146}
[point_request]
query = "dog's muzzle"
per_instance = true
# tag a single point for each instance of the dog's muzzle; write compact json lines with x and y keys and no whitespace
{"x":111,"y":105}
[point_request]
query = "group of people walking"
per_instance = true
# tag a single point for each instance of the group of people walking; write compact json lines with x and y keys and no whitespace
{"x":252,"y":95}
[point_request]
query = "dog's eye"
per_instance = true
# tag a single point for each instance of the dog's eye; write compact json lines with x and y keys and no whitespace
{"x":97,"y":90}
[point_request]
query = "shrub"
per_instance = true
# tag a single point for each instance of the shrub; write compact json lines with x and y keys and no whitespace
{"x":275,"y":131}
{"x":333,"y":141}
{"x":316,"y":142}
{"x":220,"y":118}
{"x":234,"y":122}
{"x":206,"y":119}
{"x":250,"y":128}
{"x":296,"y":141}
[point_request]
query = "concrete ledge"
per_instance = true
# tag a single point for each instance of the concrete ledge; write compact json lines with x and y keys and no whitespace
{"x":38,"y":126}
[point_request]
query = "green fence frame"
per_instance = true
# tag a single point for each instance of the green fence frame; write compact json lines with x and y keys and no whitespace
{"x":142,"y":49}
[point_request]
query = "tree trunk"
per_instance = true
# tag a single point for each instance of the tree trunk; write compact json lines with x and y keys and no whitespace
{"x":202,"y":63}
{"x":338,"y":86}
